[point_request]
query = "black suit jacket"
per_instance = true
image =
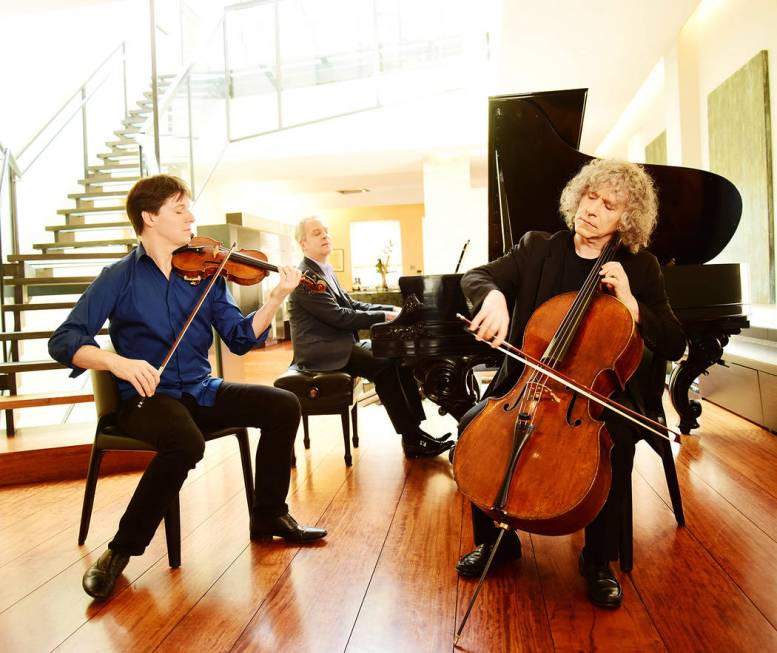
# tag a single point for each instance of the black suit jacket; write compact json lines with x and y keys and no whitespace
{"x":528,"y":276}
{"x":324,"y":326}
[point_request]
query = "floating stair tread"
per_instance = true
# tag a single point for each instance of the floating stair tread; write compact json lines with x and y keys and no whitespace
{"x":85,"y":243}
{"x":114,"y":166}
{"x":43,"y":306}
{"x":52,"y":399}
{"x":97,"y":195}
{"x":18,"y":258}
{"x":91,"y":209}
{"x":29,"y":366}
{"x":35,"y":335}
{"x":48,"y":281}
{"x":106,"y":179}
{"x":79,"y":227}
{"x":117,"y":155}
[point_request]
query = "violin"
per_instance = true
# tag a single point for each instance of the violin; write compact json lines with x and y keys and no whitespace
{"x":203,"y":256}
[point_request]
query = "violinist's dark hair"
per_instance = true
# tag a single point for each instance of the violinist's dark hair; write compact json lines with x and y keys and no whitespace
{"x":149,"y":193}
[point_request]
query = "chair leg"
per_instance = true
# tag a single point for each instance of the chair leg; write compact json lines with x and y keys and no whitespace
{"x":664,"y":449}
{"x":346,"y":436}
{"x":248,"y":471}
{"x":95,"y":459}
{"x":306,"y":438}
{"x":626,"y":545}
{"x":355,"y":426}
{"x":173,"y":533}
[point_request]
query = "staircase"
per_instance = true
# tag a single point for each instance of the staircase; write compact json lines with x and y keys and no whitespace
{"x":95,"y":232}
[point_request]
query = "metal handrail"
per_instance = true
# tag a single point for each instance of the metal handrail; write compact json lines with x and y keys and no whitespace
{"x":81,"y":105}
{"x":152,"y":136}
{"x":122,"y":47}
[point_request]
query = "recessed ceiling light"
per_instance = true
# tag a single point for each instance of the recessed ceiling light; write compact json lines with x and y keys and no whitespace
{"x":351,"y":191}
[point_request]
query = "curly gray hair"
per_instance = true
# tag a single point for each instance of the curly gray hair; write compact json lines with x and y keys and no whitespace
{"x":629,"y":179}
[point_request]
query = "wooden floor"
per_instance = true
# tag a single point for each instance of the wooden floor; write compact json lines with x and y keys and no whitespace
{"x":384,"y":579}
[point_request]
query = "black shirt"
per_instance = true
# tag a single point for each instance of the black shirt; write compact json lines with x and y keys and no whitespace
{"x":574,"y":271}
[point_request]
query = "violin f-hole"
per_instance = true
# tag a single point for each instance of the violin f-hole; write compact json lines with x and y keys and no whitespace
{"x":570,"y":408}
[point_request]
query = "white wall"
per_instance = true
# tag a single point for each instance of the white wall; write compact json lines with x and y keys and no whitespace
{"x":718,"y":39}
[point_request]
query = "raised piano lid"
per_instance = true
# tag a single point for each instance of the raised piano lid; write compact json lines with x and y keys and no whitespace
{"x":537,"y":136}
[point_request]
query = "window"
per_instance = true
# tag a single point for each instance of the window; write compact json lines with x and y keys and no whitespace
{"x":370,"y":241}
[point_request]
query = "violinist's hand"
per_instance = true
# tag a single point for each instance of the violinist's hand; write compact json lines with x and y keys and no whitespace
{"x":492,"y":320}
{"x":289,"y":280}
{"x":615,"y":280}
{"x":141,"y":374}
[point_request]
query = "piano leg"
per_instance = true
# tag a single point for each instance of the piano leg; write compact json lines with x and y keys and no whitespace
{"x":450,"y":382}
{"x":704,"y":349}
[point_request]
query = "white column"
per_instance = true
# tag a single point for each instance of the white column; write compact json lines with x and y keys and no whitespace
{"x":454,"y":212}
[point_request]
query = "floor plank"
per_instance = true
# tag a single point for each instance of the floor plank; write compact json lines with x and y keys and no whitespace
{"x":384,"y":578}
{"x":417,"y":560}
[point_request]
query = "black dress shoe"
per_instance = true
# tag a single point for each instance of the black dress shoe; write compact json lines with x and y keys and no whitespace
{"x":423,"y":435}
{"x":100,"y":578}
{"x":423,"y":448}
{"x":604,"y":590}
{"x":285,"y":527}
{"x":473,"y":564}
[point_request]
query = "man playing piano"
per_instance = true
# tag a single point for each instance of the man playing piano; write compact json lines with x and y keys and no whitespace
{"x":324,"y":333}
{"x":605,"y":198}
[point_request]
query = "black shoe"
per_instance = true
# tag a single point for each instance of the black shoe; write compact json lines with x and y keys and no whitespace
{"x":423,"y":435}
{"x":285,"y":527}
{"x":473,"y":564}
{"x":423,"y":448}
{"x":100,"y":578}
{"x":604,"y":590}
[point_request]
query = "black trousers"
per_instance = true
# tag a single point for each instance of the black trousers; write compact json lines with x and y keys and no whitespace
{"x":602,"y":534}
{"x":175,"y":426}
{"x":394,"y":384}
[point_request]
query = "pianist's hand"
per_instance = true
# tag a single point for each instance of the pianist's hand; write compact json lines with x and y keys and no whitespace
{"x":492,"y":320}
{"x":391,"y":315}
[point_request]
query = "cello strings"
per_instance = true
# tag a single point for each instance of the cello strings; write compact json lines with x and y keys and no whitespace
{"x":568,"y":329}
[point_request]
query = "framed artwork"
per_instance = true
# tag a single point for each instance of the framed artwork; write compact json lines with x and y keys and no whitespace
{"x":740,"y":142}
{"x":336,"y":260}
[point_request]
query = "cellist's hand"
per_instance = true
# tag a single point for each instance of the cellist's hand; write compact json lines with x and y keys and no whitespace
{"x":615,"y":279}
{"x":492,"y":320}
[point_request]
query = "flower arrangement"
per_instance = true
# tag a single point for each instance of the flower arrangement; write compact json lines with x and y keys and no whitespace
{"x":382,"y":266}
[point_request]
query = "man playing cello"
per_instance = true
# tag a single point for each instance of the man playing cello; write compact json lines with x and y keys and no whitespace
{"x":606,"y":198}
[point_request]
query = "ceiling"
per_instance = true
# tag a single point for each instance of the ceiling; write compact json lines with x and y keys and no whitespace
{"x":607,"y":46}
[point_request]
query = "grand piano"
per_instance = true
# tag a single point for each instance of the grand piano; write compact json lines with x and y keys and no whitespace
{"x":535,"y":140}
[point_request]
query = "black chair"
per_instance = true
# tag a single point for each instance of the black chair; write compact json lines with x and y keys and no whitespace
{"x":324,"y":393}
{"x":108,"y":437}
{"x":664,"y":449}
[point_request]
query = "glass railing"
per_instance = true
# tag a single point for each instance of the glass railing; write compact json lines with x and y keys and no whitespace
{"x":192,"y":119}
{"x":292,"y":62}
{"x":51,"y":164}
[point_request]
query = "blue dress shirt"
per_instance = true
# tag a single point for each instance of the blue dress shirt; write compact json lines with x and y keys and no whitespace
{"x":146,"y":312}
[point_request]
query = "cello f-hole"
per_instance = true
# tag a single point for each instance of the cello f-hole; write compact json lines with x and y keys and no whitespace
{"x":507,"y":407}
{"x":570,"y":408}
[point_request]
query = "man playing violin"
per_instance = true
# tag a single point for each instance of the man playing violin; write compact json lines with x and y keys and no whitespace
{"x":324,"y":332}
{"x":147,"y":305}
{"x":606,"y":198}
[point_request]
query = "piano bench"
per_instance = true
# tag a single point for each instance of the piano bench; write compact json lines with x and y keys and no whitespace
{"x":324,"y":393}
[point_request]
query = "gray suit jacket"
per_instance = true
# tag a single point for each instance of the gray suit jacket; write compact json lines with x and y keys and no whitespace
{"x":324,"y":326}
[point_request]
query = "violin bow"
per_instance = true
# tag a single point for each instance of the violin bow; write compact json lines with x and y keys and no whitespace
{"x":614,"y":406}
{"x":192,"y":315}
